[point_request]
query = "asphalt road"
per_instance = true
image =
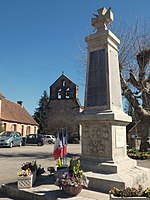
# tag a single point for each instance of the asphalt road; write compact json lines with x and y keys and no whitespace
{"x":11,"y":159}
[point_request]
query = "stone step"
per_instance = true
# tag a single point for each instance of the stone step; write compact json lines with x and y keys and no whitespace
{"x":103,"y":182}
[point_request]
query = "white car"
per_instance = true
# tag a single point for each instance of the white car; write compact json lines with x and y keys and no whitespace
{"x":49,"y":139}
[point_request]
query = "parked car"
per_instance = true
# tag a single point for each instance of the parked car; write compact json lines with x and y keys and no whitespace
{"x":10,"y":139}
{"x":49,"y":139}
{"x":35,"y":139}
{"x":74,"y":139}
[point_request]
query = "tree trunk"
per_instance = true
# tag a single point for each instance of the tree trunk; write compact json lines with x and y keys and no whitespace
{"x":143,"y":114}
{"x":145,"y":135}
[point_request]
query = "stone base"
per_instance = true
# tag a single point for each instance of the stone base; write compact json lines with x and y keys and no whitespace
{"x":112,"y":197}
{"x":96,"y":165}
{"x":105,"y":182}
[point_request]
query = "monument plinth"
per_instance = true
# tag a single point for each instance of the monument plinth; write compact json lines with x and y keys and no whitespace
{"x":103,"y":121}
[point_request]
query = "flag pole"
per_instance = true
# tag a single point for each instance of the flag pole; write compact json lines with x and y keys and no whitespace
{"x":65,"y":146}
{"x":63,"y":143}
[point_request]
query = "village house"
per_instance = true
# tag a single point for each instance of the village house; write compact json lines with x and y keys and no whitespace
{"x":14,"y":117}
{"x":134,"y":135}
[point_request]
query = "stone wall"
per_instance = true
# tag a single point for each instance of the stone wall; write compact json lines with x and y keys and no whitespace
{"x":24,"y":129}
{"x":62,"y":114}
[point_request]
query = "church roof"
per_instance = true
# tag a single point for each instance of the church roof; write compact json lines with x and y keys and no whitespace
{"x":63,"y":77}
{"x":13,"y":112}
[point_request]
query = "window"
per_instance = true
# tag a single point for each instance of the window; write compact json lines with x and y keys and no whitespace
{"x":67,"y":93}
{"x":34,"y":129}
{"x":59,"y":96}
{"x":18,"y":134}
{"x":22,"y":129}
{"x":28,"y":130}
{"x":13,"y":127}
{"x":63,"y":83}
{"x":4,"y":126}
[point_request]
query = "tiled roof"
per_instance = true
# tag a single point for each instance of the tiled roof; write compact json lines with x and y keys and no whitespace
{"x":14,"y":112}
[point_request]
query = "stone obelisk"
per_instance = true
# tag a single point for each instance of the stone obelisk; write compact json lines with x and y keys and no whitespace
{"x":103,"y":121}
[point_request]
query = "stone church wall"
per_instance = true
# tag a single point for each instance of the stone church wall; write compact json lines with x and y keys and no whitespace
{"x":62,"y":114}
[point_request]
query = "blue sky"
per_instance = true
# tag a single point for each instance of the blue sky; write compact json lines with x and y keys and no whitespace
{"x":40,"y":38}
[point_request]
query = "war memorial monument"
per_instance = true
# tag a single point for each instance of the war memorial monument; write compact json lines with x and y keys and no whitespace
{"x":103,"y":151}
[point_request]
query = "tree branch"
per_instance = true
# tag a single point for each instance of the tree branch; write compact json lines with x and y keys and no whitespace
{"x":132,"y":99}
{"x":133,"y":80}
{"x":143,"y":57}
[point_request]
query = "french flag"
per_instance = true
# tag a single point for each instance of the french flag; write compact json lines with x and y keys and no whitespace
{"x":57,"y":148}
{"x":64,"y":141}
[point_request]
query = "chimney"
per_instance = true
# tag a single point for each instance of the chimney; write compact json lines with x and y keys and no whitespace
{"x":20,"y":103}
{"x":1,"y":95}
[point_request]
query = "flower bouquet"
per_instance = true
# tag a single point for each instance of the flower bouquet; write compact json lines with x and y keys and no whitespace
{"x":27,"y":175}
{"x":32,"y":166}
{"x":74,"y":180}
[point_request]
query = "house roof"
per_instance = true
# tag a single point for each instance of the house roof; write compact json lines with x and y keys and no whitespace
{"x":14,"y":112}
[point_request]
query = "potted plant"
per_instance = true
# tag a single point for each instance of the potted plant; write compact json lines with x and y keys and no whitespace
{"x":61,"y":165}
{"x":73,"y":180}
{"x":130,"y":193}
{"x":58,"y":169}
{"x":27,"y":175}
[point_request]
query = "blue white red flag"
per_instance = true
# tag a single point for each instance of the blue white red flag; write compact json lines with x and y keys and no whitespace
{"x":64,"y":141}
{"x":57,"y":147}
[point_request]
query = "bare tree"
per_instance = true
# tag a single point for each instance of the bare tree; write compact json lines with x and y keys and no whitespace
{"x":134,"y":60}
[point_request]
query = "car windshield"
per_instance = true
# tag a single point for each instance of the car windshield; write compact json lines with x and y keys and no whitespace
{"x":8,"y":134}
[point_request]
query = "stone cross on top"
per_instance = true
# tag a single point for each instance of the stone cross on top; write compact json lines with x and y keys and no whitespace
{"x":103,"y":18}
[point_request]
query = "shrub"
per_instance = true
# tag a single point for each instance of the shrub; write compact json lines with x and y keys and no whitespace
{"x":136,"y":154}
{"x":131,"y":192}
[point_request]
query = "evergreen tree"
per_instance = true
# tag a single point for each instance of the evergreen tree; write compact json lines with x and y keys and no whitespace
{"x":40,"y":113}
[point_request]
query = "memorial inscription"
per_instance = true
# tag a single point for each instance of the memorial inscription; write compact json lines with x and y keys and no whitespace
{"x":120,"y":138}
{"x":97,"y":87}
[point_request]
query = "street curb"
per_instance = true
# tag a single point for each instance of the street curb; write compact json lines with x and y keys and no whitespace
{"x":21,"y":194}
